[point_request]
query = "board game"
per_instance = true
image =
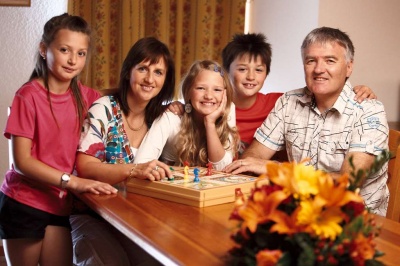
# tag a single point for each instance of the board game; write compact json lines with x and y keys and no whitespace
{"x":212,"y":188}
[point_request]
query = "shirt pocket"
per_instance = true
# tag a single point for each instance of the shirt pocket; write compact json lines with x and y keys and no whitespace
{"x":335,"y":152}
{"x":294,"y":146}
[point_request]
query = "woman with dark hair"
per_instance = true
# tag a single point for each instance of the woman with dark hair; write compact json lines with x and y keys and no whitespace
{"x":111,"y":136}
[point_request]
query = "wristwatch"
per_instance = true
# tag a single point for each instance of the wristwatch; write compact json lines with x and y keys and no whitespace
{"x":64,"y":181}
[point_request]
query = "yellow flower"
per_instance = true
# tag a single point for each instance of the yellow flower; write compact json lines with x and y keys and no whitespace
{"x":296,"y":178}
{"x":268,"y":257}
{"x":323,"y":222}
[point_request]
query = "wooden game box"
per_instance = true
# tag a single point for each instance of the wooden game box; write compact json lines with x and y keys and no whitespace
{"x":217,"y":188}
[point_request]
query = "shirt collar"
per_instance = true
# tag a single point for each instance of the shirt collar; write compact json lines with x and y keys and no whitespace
{"x":308,"y":98}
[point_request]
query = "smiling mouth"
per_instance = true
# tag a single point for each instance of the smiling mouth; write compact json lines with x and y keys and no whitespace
{"x":249,"y":86}
{"x":69,"y":69}
{"x":146,"y":88}
{"x":207,"y":103}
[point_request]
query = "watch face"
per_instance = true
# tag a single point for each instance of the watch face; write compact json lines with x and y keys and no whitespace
{"x":65,"y":177}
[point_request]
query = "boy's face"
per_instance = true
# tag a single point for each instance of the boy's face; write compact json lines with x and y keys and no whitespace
{"x":247,"y":75}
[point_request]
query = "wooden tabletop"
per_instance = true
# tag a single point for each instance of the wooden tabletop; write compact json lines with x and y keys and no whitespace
{"x":178,"y":234}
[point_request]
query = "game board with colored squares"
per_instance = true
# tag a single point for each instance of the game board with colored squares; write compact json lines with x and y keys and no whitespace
{"x":195,"y":186}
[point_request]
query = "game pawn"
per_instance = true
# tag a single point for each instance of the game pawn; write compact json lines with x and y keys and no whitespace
{"x":209,"y":169}
{"x":196,"y":175}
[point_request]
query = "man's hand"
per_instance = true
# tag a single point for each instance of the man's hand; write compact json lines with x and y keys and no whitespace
{"x":249,"y":164}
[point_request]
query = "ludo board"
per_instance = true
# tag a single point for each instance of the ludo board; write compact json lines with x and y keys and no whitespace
{"x":212,"y":189}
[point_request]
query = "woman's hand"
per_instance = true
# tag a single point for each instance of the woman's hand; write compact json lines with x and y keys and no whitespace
{"x":153,"y":170}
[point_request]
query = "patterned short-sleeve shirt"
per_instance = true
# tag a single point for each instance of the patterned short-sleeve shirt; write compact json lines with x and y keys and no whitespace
{"x":297,"y":125}
{"x":104,"y":137}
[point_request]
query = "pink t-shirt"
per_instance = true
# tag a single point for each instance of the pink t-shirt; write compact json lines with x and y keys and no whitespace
{"x":248,"y":120}
{"x":54,"y":142}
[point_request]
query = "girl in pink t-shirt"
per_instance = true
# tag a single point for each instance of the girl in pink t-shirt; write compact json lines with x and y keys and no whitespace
{"x":44,"y":126}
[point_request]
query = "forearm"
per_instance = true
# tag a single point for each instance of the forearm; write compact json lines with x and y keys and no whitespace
{"x":89,"y":167}
{"x":214,"y":146}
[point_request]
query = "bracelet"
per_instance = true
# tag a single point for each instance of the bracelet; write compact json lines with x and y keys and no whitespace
{"x":131,"y":172}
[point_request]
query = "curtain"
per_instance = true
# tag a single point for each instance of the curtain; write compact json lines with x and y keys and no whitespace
{"x":192,"y":29}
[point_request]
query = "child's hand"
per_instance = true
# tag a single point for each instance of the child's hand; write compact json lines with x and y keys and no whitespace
{"x":176,"y":108}
{"x":363,"y":92}
{"x":217,"y":113}
{"x":81,"y":185}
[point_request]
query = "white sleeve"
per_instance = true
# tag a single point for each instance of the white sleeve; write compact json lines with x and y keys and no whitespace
{"x":162,"y":131}
{"x":228,"y":157}
{"x":232,"y":116}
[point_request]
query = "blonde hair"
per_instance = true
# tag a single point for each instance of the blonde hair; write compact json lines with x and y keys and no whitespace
{"x":191,"y":143}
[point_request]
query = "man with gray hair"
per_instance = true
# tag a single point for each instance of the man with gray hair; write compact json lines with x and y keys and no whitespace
{"x":323,"y":122}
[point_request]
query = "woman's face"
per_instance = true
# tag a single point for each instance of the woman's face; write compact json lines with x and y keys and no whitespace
{"x":146,"y":80}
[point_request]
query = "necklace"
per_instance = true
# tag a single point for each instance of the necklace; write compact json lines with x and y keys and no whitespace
{"x":132,"y":128}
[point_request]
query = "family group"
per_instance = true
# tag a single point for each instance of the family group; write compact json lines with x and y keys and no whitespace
{"x":68,"y":138}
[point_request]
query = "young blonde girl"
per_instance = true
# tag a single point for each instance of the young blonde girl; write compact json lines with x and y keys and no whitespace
{"x":44,"y":126}
{"x":206,"y":132}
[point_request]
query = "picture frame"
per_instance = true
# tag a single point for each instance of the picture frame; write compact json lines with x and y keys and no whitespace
{"x":15,"y":2}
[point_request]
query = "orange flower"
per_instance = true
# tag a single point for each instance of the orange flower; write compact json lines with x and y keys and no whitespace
{"x":336,"y":194}
{"x":361,"y":249}
{"x":259,"y":209}
{"x":268,"y":257}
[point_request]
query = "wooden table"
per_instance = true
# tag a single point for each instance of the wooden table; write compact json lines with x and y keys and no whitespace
{"x":177,"y":234}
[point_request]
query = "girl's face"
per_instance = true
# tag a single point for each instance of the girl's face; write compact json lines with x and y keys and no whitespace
{"x":66,"y":55}
{"x":147,"y":80}
{"x":207,"y":92}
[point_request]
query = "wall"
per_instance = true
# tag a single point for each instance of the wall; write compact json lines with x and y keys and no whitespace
{"x":20,"y":32}
{"x":285,"y":23}
{"x":372,"y":25}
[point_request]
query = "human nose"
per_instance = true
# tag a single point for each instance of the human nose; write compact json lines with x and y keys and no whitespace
{"x":72,"y":59}
{"x":250,"y":74}
{"x":319,"y":67}
{"x":149,"y":78}
{"x":208,"y":94}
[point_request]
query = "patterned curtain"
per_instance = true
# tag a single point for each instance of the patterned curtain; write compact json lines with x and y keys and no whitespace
{"x":192,"y":29}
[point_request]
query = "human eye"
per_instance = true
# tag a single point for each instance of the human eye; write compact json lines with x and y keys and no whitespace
{"x":260,"y":70}
{"x":199,"y":88}
{"x":242,"y":69}
{"x":141,"y":68}
{"x":63,"y":50}
{"x":218,"y":89}
{"x":331,"y":61}
{"x":309,"y":61}
{"x":159,"y":72}
{"x":82,"y":53}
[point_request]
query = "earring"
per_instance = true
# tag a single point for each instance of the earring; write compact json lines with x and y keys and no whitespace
{"x":188,"y":108}
{"x":43,"y":56}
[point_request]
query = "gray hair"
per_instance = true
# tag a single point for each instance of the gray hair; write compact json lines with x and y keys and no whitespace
{"x":325,"y":35}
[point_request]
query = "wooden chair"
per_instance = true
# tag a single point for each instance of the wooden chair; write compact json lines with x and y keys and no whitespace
{"x":393,"y":183}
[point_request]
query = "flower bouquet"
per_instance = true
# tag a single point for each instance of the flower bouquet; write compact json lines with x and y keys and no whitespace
{"x":302,"y":216}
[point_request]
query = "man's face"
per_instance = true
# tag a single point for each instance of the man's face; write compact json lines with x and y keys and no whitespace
{"x":326,"y":69}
